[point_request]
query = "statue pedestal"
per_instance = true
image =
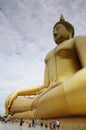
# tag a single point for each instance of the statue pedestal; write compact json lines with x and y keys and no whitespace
{"x":74,"y":123}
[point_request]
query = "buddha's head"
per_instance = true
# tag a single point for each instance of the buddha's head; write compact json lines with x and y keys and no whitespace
{"x":62,"y":31}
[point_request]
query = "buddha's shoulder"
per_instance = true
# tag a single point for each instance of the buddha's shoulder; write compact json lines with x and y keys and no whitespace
{"x":80,"y":38}
{"x":73,"y":42}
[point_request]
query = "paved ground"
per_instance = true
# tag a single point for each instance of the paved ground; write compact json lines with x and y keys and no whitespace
{"x":15,"y":126}
{"x":64,"y":126}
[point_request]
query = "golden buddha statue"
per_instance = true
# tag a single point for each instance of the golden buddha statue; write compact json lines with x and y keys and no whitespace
{"x":63,"y":92}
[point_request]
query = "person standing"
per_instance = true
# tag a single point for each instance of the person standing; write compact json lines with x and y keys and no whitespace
{"x":46,"y":124}
{"x":54,"y":124}
{"x":57,"y":124}
{"x":33,"y":123}
{"x":41,"y":122}
{"x":29,"y":123}
{"x":50,"y":126}
{"x":21,"y":122}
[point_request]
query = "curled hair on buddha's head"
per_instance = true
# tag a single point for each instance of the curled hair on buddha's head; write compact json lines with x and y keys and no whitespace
{"x":67,"y":25}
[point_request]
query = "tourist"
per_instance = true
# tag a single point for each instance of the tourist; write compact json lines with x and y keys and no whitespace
{"x":21,"y":122}
{"x":50,"y":126}
{"x":46,"y":124}
{"x":57,"y":124}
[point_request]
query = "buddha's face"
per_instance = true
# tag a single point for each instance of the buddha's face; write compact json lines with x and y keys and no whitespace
{"x":60,"y":33}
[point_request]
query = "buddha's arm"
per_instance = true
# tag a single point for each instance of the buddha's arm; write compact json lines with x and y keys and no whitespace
{"x":24,"y":92}
{"x":80,"y":44}
{"x":30,"y":91}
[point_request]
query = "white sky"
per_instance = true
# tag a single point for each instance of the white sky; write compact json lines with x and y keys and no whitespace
{"x":26,"y":37}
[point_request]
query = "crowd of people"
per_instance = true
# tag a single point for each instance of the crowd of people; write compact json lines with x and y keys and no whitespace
{"x":51,"y":124}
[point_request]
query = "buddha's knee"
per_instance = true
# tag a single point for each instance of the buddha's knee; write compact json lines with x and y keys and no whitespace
{"x":21,"y":104}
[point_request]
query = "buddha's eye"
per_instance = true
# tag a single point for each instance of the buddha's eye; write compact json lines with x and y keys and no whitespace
{"x":57,"y":28}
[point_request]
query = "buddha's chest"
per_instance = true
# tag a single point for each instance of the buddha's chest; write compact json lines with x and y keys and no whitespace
{"x":63,"y":64}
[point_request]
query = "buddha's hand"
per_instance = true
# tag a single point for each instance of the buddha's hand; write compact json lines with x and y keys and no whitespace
{"x":9,"y":101}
